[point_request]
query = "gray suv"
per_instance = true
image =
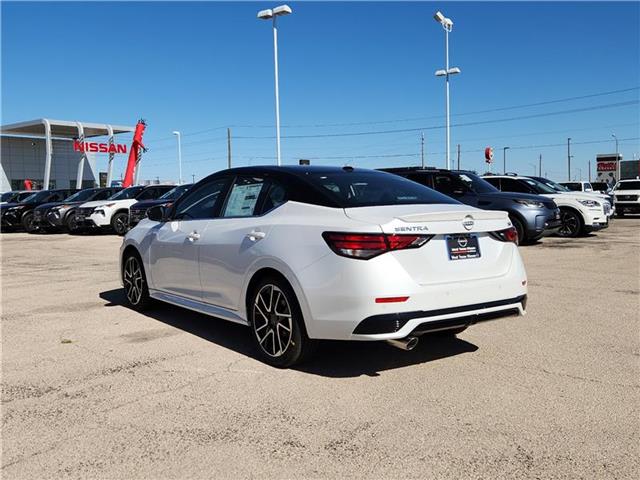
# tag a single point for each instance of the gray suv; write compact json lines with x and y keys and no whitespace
{"x":533,"y":216}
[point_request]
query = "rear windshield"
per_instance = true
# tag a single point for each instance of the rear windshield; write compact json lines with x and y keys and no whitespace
{"x":366,"y":189}
{"x":629,"y":185}
{"x":127,"y":193}
{"x":40,"y":196}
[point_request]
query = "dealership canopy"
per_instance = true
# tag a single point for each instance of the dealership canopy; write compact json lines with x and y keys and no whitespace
{"x":49,"y":129}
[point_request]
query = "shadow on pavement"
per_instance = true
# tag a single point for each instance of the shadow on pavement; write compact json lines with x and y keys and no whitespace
{"x":339,"y":359}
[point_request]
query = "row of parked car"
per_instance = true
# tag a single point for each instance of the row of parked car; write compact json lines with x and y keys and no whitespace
{"x":537,"y":206}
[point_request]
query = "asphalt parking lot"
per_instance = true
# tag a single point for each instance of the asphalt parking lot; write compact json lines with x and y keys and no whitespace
{"x":92,"y":389}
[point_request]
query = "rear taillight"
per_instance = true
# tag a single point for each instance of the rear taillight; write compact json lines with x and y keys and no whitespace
{"x":368,"y":245}
{"x":507,"y":235}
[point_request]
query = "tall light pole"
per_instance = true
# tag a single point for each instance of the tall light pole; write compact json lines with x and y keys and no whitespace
{"x":272,"y":14}
{"x":504,"y":159}
{"x":179,"y":137}
{"x":569,"y":159}
{"x":617,"y":156}
{"x":447,"y":25}
{"x":540,"y":165}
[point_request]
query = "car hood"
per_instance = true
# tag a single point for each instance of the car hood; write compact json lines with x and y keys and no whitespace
{"x":47,"y":206}
{"x":584,"y":196}
{"x":144,"y":204}
{"x":7,"y":206}
{"x":99,"y":203}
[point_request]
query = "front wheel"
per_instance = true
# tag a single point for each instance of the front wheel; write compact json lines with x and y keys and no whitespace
{"x":71,"y":223}
{"x":119,"y":223}
{"x":572,"y":224}
{"x":29,"y":224}
{"x":277,"y":325}
{"x":135,"y":283}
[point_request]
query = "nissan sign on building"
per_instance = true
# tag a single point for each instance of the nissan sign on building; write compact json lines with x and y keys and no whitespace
{"x":59,"y":153}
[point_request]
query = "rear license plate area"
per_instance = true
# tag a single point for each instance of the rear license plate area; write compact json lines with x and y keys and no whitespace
{"x":462,"y":247}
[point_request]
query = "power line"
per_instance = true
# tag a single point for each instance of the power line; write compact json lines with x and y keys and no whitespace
{"x":467,"y":124}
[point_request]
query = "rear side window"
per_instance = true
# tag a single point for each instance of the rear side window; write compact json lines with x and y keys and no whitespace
{"x":102,"y":195}
{"x":275,"y":196}
{"x":365,"y":189}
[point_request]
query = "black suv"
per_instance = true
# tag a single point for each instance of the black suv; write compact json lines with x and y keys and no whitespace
{"x":20,"y":215}
{"x":62,"y":215}
{"x":532,"y":215}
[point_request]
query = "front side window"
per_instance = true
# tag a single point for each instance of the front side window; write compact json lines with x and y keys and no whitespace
{"x":574,"y":187}
{"x":511,"y":185}
{"x":83,"y":196}
{"x":538,"y":187}
{"x":449,"y":184}
{"x":475,"y":183}
{"x":244,"y":196}
{"x":203,"y":202}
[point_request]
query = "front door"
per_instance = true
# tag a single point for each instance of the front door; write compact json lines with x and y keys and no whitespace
{"x":175,"y":247}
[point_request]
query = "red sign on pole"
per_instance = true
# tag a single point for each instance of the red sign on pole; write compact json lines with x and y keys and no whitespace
{"x":99,"y":147}
{"x":488,"y":155}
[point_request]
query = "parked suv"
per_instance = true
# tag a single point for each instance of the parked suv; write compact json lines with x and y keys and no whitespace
{"x":627,"y":196}
{"x":138,"y":211}
{"x":532,"y":216}
{"x":605,"y":198}
{"x":62,"y":215}
{"x":580,"y":213}
{"x":114,"y":212}
{"x":20,"y":215}
{"x":15,"y":196}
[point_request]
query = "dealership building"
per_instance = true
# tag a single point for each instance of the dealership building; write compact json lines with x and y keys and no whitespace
{"x":52,"y":153}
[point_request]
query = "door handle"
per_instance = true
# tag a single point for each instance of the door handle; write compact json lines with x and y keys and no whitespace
{"x":254,"y":235}
{"x":193,"y":236}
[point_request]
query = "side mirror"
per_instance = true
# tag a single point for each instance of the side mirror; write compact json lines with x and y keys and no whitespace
{"x":157,"y":213}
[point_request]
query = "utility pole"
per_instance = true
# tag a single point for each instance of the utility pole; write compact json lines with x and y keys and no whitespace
{"x":569,"y":159}
{"x":458,"y":156}
{"x":193,"y":178}
{"x":589,"y":171}
{"x":422,"y":149}
{"x":228,"y":148}
{"x":540,"y":165}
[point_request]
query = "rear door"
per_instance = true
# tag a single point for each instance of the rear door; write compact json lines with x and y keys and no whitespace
{"x":231,"y":243}
{"x":175,"y":245}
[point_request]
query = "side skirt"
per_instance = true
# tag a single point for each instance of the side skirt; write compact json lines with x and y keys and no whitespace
{"x":200,"y":307}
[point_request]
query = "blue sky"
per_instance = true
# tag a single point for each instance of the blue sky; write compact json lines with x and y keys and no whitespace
{"x":344,"y":68}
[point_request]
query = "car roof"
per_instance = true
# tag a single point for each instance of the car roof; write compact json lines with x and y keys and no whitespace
{"x":423,"y":170}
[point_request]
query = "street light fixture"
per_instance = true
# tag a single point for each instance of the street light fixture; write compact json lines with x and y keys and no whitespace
{"x":179,"y":138}
{"x":272,"y":14}
{"x":504,"y":159}
{"x":447,"y":25}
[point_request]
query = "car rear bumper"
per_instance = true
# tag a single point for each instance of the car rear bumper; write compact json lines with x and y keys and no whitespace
{"x":340,"y":298}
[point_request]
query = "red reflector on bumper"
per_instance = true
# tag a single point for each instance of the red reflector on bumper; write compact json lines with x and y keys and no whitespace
{"x":391,"y":299}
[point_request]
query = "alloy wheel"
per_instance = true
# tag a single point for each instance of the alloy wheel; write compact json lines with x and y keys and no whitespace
{"x":570,"y":224}
{"x":133,"y":280}
{"x":272,"y":322}
{"x":120,"y":224}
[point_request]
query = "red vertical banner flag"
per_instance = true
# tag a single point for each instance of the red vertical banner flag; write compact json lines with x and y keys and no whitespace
{"x":136,"y":148}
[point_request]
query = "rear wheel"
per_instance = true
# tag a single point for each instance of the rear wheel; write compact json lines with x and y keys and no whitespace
{"x":572,"y":224}
{"x":29,"y":224}
{"x":119,"y":222}
{"x":277,"y":325}
{"x":135,"y":283}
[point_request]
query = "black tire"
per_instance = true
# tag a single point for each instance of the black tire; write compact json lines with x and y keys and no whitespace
{"x":120,"y":223}
{"x":71,"y":223}
{"x":28,"y":223}
{"x":519,"y":228}
{"x":271,"y":326}
{"x":572,"y":224}
{"x":135,"y":283}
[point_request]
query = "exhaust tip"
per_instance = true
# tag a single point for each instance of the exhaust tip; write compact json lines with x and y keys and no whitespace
{"x":406,"y":344}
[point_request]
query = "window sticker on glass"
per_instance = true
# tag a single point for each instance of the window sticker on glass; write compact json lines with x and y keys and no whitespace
{"x":465,"y":178}
{"x":242,"y":200}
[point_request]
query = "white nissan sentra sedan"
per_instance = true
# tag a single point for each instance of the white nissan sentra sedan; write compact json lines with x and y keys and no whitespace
{"x":304,"y":253}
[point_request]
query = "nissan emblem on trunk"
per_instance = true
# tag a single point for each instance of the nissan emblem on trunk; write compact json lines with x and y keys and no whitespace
{"x":468,"y":222}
